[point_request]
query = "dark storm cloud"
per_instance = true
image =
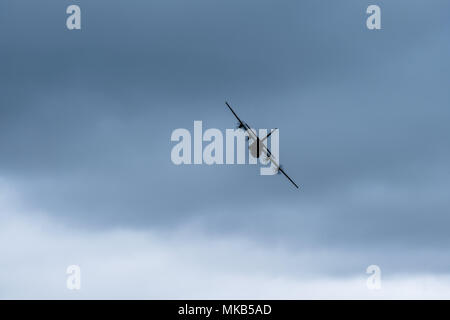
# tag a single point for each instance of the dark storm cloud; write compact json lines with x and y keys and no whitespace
{"x":86,"y":116}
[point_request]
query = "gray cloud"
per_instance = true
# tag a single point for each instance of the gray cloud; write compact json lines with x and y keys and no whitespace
{"x":86,"y":118}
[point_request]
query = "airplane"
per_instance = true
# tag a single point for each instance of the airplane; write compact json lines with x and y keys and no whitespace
{"x":257,"y":147}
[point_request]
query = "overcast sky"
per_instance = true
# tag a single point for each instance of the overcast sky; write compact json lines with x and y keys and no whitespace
{"x":86,"y":176}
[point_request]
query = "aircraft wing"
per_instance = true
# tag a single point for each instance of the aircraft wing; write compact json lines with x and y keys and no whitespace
{"x":282,"y":171}
{"x":277,"y":165}
{"x":251,"y":134}
{"x":234,"y":113}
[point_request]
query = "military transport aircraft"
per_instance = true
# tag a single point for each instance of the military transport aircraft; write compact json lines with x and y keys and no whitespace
{"x":257,"y":146}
